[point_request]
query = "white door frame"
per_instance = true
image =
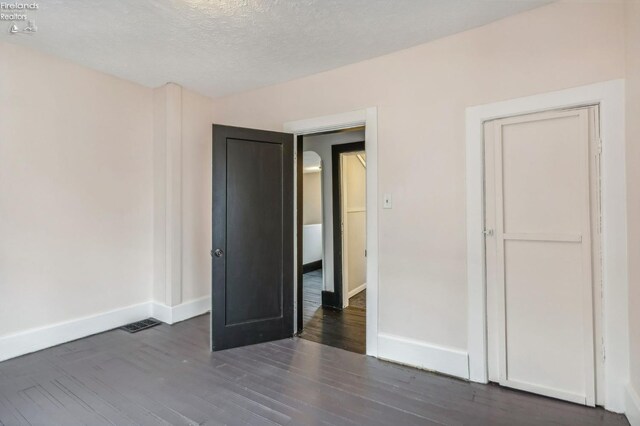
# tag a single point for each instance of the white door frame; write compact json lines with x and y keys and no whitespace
{"x":345,"y":231}
{"x":610,"y":96}
{"x":369,"y":118}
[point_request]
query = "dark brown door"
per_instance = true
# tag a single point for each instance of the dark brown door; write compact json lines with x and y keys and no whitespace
{"x":252,"y":253}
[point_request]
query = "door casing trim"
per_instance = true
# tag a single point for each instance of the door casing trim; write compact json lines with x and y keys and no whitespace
{"x":609,"y":96}
{"x":369,"y":118}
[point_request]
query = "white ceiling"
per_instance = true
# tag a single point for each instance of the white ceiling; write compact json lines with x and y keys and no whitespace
{"x":219,"y":47}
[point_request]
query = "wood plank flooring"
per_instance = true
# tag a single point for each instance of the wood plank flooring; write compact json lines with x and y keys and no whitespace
{"x":344,"y":329}
{"x":359,"y":300}
{"x":166,"y":375}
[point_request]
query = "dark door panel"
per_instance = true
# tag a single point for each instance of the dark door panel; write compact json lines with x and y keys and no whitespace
{"x":252,"y":285}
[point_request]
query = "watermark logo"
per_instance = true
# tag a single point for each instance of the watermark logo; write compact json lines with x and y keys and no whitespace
{"x":21,"y":17}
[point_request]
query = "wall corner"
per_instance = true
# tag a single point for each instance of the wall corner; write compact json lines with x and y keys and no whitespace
{"x":167,"y":180}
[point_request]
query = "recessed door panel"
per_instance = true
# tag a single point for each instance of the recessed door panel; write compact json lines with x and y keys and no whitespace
{"x":254,"y":231}
{"x":542,"y":179}
{"x":544,"y":329}
{"x":252,"y":254}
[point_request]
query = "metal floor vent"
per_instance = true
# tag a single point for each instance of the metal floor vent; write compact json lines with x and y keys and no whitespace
{"x":134,"y":327}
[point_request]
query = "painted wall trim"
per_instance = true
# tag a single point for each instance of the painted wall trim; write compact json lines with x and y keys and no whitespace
{"x":357,"y":290}
{"x":422,"y":355}
{"x":369,"y":118}
{"x":328,"y":122}
{"x":181,"y":312}
{"x":36,"y":339}
{"x":610,"y":96}
{"x":311,"y":266}
{"x":632,"y":408}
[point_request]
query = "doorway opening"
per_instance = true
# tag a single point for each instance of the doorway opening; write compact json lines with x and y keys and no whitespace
{"x":332,"y":238}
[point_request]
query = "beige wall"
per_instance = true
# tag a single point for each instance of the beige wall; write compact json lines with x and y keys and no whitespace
{"x":312,"y":198}
{"x":196,"y":195}
{"x":355,"y":187}
{"x":78,"y":187}
{"x":633,"y":179}
{"x":421,"y":94}
{"x":76,"y":191}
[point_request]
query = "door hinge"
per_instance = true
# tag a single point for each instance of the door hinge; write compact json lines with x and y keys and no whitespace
{"x":604,"y":352}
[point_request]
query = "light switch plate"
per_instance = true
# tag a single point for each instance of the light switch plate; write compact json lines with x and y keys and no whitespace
{"x":387,"y":201}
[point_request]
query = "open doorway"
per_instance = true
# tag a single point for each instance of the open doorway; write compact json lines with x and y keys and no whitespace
{"x":332,"y":192}
{"x":254,"y":298}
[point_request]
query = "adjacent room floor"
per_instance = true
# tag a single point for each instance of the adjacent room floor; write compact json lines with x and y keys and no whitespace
{"x":167,"y":376}
{"x":344,"y":329}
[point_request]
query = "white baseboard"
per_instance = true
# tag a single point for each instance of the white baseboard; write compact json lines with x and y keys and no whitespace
{"x":36,"y":339}
{"x":422,"y":355}
{"x":357,"y":290}
{"x":632,"y":406}
{"x":181,"y":312}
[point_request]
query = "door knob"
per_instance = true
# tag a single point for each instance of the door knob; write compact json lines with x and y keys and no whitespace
{"x":218,"y":252}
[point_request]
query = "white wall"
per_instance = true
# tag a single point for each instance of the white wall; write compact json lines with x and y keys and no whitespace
{"x":76,"y":191}
{"x":311,"y":217}
{"x":311,"y":243}
{"x":311,"y":198}
{"x":321,"y":144}
{"x":421,"y":94}
{"x":633,"y":199}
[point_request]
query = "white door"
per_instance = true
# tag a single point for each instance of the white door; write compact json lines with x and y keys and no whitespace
{"x":354,"y":224}
{"x":542,"y":222}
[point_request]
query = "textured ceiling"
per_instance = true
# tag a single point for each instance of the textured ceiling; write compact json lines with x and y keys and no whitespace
{"x":219,"y":47}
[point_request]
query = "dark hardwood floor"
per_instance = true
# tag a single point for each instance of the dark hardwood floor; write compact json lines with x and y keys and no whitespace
{"x":344,"y":329}
{"x":166,"y":375}
{"x":359,"y":300}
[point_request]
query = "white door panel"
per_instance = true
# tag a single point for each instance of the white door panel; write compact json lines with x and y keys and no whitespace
{"x":542,"y":179}
{"x":544,"y":330}
{"x":539,"y":259}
